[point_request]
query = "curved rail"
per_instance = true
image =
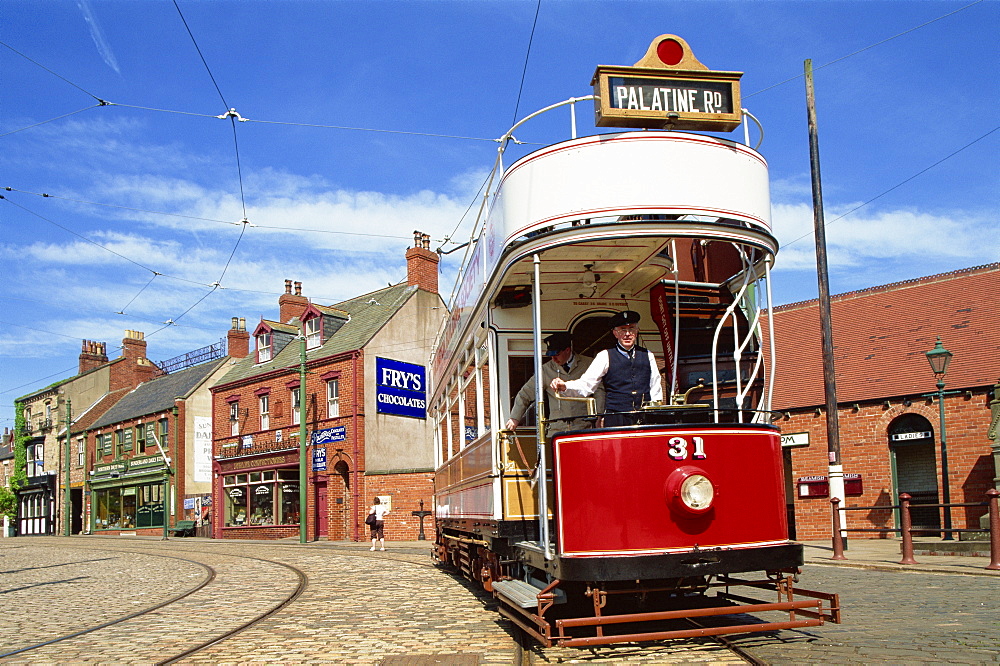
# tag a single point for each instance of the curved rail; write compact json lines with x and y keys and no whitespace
{"x":211,"y":577}
{"x":300,"y":587}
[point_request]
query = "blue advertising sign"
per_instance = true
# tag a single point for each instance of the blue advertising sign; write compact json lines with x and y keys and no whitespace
{"x":401,"y":388}
{"x":319,"y":460}
{"x":338,"y":434}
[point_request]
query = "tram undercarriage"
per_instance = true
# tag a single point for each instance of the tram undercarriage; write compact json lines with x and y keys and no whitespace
{"x":694,"y":593}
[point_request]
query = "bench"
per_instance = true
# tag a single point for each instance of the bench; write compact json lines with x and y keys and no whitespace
{"x":183,"y":528}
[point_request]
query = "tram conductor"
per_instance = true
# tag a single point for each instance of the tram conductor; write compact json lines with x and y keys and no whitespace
{"x":563,"y":363}
{"x":627,"y":372}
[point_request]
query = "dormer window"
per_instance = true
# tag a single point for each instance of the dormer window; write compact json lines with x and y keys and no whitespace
{"x":314,"y":332}
{"x":264,"y":341}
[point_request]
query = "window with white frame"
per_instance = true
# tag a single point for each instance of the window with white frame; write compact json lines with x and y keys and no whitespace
{"x":263,"y":347}
{"x":295,"y":406}
{"x":313,"y":332}
{"x":234,"y":418}
{"x":81,"y":450}
{"x":333,"y":398}
{"x":264,"y":403}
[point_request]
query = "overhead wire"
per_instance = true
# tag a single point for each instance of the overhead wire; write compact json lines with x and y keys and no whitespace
{"x":527,"y":55}
{"x":866,"y":48}
{"x":65,"y":115}
{"x":899,"y":184}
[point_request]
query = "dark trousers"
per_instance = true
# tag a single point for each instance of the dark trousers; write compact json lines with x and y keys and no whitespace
{"x":618,"y":420}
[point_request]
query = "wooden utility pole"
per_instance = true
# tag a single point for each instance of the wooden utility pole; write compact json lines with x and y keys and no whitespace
{"x":826,"y":328}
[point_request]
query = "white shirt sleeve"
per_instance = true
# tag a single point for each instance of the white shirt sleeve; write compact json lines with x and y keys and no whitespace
{"x":588,"y":382}
{"x":655,"y":389}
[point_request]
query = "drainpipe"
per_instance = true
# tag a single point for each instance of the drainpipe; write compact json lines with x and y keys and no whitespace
{"x":354,"y":438}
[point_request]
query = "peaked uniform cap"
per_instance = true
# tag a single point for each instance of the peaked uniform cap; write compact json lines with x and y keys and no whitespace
{"x":558,"y":342}
{"x":624,"y":317}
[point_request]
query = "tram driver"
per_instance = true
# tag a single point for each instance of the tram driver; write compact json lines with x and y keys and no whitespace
{"x":627,"y":372}
{"x":564,"y":363}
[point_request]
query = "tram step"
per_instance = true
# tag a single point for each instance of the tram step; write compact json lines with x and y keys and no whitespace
{"x":523,"y":594}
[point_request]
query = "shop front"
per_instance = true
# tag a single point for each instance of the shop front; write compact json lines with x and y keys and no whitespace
{"x":258,"y":497}
{"x":128,"y":496}
{"x":36,"y":506}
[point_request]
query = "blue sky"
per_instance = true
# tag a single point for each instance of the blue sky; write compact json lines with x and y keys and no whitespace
{"x":147,"y":199}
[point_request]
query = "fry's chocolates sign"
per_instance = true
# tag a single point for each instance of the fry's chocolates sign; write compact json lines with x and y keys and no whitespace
{"x":401,"y":388}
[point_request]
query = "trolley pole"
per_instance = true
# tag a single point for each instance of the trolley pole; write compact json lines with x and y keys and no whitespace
{"x":826,"y":328}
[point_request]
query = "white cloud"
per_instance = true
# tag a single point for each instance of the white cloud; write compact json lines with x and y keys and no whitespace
{"x":864,"y":237}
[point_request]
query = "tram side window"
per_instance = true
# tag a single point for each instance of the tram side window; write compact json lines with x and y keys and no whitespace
{"x":471,"y":420}
{"x":485,"y":371}
{"x":520,"y":369}
{"x":456,"y":423}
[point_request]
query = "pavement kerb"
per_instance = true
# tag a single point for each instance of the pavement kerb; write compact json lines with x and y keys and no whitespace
{"x":865,"y":554}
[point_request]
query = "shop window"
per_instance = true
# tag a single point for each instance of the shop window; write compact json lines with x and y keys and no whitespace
{"x":129,"y":507}
{"x":262,"y":498}
{"x":264,"y":403}
{"x":295,"y":406}
{"x":333,"y":399}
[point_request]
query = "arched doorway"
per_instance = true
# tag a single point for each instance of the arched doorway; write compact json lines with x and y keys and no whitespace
{"x":340,"y":495}
{"x":914,"y":467}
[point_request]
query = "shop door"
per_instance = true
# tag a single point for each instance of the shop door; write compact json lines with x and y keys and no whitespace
{"x":322,"y":512}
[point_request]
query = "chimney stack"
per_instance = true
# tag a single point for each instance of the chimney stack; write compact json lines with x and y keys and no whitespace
{"x":92,"y":355}
{"x":238,"y":340}
{"x":422,"y":263}
{"x":291,"y":305}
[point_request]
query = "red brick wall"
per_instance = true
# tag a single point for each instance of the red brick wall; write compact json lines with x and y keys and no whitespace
{"x":864,"y":448}
{"x":406,"y":491}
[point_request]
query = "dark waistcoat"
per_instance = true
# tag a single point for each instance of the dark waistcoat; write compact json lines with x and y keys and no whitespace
{"x":627,"y":381}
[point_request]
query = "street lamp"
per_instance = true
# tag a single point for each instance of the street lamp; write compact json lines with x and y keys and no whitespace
{"x":939,"y":357}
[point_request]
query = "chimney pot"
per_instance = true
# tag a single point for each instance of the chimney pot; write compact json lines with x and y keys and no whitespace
{"x":298,"y":288}
{"x":288,"y":286}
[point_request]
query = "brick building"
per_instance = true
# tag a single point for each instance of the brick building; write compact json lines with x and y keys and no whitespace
{"x":42,"y":415}
{"x":887,"y":399}
{"x":151,"y":453}
{"x":366,"y":426}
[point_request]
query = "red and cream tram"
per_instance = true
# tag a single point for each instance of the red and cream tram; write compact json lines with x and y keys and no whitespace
{"x":602,"y":535}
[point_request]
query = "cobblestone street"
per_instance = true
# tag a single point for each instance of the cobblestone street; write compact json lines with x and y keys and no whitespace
{"x":393,"y":608}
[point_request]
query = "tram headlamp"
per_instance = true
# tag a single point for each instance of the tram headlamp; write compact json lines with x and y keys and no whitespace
{"x":689,"y":490}
{"x":697,"y":492}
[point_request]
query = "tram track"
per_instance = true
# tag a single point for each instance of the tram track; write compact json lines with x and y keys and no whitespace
{"x":170,"y":614}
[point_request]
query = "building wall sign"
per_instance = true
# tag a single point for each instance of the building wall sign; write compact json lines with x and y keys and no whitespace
{"x":907,"y":436}
{"x":401,"y":388}
{"x":319,"y":460}
{"x":202,"y":449}
{"x":795,"y":439}
{"x":336,"y":434}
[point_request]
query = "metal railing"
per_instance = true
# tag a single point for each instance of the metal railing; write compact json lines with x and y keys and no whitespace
{"x":240,"y":446}
{"x":906,"y":529}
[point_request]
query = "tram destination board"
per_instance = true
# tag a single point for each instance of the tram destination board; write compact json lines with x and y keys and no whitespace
{"x":658,"y":99}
